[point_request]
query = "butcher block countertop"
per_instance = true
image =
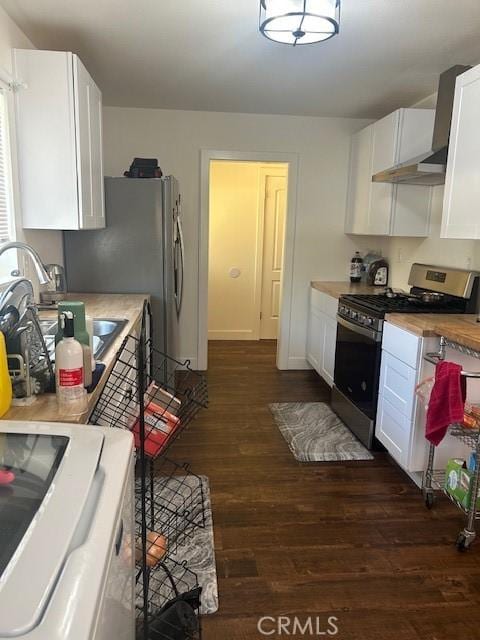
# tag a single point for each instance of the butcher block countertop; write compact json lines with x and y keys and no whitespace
{"x":97,"y":305}
{"x":461,"y":328}
{"x":337,"y":289}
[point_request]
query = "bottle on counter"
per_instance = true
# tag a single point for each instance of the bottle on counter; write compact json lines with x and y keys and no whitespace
{"x":5,"y":382}
{"x":77,"y":310}
{"x":70,"y":379}
{"x":81,"y":333}
{"x":356,"y":264}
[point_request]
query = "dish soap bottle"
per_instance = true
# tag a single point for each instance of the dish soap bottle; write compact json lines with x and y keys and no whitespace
{"x":5,"y":382}
{"x":356,"y":264}
{"x":71,"y":394}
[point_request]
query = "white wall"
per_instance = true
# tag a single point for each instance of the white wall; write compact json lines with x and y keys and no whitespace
{"x":48,"y":243}
{"x":321,"y":250}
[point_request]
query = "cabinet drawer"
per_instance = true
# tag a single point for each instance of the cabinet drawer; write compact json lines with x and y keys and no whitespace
{"x":393,"y":429}
{"x":397,"y":384}
{"x":402,"y":344}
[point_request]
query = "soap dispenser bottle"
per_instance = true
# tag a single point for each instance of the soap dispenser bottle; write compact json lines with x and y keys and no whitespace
{"x":71,"y":393}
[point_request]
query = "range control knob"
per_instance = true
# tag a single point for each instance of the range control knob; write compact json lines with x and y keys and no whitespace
{"x":353,"y":314}
{"x":369,"y":322}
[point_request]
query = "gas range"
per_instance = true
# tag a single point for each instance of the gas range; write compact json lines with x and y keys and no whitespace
{"x":369,"y":310}
{"x":359,"y":336}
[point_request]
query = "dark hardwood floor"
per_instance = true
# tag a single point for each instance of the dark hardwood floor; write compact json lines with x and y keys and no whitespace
{"x":351,"y":540}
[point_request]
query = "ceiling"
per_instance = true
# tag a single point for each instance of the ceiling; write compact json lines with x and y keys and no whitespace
{"x":209,"y":55}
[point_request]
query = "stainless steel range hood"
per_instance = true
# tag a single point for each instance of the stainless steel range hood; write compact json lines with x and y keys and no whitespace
{"x":429,"y":168}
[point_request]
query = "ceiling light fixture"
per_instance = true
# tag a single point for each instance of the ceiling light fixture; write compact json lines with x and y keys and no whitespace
{"x":299,"y":21}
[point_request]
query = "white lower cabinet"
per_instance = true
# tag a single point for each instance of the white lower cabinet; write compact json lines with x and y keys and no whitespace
{"x":397,"y":407}
{"x":396,"y":404}
{"x":328,"y":352}
{"x":400,"y":424}
{"x":315,"y":339}
{"x":393,"y":430}
{"x":322,"y":334}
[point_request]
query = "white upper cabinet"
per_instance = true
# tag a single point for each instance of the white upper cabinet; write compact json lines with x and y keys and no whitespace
{"x":59,"y":135}
{"x":360,"y":182}
{"x":462,"y":184}
{"x":387,"y":209}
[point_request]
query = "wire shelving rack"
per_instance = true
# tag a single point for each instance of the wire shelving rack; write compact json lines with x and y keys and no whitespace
{"x":434,"y":480}
{"x":156,"y":397}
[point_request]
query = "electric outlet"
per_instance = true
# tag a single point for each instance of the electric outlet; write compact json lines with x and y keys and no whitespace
{"x":468,"y":262}
{"x":400,"y":256}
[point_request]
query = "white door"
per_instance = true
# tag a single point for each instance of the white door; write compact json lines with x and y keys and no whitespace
{"x":462,"y":183}
{"x":384,"y":146}
{"x":273,"y":240}
{"x":88,"y":125}
{"x":96,"y":157}
{"x":359,"y":182}
{"x":316,"y":339}
{"x":328,"y":349}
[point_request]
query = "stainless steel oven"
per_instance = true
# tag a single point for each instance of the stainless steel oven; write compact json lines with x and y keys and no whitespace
{"x":357,"y":367}
{"x":359,"y":336}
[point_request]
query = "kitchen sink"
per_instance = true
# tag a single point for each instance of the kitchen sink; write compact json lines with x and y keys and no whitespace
{"x":105,"y":330}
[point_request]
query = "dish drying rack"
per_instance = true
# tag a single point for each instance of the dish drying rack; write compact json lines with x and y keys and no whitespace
{"x":434,"y":480}
{"x":156,"y":397}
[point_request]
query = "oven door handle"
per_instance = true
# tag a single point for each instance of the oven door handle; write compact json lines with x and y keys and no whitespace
{"x":376,"y":336}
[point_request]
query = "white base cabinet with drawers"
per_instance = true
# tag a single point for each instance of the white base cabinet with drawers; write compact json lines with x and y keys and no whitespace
{"x":396,"y":401}
{"x":322,"y":334}
{"x":400,"y":423}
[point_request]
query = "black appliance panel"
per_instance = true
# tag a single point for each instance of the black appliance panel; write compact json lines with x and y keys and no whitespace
{"x":357,"y":362}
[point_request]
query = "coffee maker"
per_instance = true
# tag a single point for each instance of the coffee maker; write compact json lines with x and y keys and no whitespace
{"x":375,"y":270}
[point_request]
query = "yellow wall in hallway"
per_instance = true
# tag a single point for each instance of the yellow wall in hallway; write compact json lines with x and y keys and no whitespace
{"x":235,"y":210}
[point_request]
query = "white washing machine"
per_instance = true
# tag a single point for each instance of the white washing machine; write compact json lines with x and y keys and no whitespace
{"x":67,"y":556}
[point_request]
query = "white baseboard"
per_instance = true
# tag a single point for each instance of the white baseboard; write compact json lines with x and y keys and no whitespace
{"x":232,"y":334}
{"x":298,"y":363}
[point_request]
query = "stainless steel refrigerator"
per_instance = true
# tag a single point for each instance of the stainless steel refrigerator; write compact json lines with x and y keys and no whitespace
{"x":140,"y":251}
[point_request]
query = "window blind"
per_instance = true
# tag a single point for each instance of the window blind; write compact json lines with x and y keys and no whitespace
{"x":5,"y":211}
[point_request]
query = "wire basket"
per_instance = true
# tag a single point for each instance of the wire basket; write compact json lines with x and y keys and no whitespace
{"x":174,"y":507}
{"x":173,"y":394}
{"x":168,"y":582}
{"x":155,"y":397}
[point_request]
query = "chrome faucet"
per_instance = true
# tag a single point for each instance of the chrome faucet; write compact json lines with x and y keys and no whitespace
{"x":37,"y":262}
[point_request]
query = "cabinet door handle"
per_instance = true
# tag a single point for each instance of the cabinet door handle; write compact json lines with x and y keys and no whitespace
{"x":118,"y":542}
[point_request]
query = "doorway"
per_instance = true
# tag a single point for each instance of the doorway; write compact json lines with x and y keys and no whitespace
{"x":284,"y":290}
{"x":246,"y":238}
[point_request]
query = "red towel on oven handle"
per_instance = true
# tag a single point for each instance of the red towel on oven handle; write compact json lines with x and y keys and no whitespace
{"x":447,"y":401}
